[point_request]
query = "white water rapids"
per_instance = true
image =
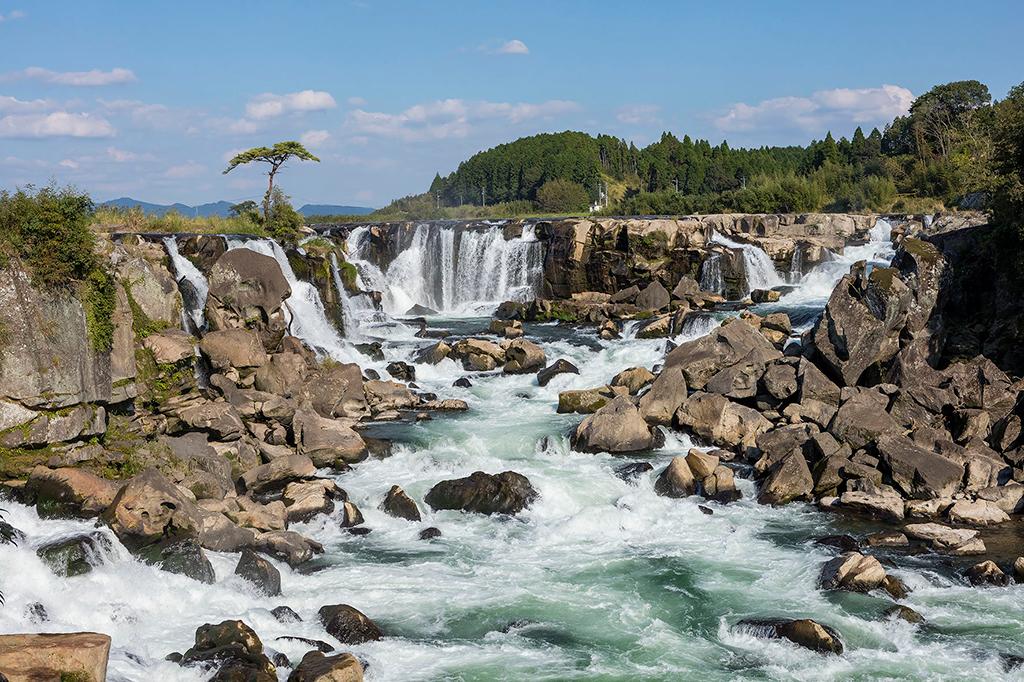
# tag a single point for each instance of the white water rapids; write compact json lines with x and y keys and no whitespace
{"x":599,"y":580}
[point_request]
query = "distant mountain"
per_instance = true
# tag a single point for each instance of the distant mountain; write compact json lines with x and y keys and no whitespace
{"x":334,"y":209}
{"x":223,"y":208}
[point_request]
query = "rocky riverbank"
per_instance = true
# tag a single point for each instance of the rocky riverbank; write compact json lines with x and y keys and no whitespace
{"x":236,"y":399}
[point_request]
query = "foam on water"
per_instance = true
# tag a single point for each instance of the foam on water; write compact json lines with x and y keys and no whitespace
{"x":760,"y":269}
{"x":185,"y":270}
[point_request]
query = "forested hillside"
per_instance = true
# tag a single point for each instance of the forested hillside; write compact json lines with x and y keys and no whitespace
{"x":938,"y":155}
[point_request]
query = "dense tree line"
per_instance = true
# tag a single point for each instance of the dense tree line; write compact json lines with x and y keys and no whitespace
{"x":940,"y":154}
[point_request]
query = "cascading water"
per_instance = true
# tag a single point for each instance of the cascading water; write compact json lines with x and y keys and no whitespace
{"x":796,"y":265}
{"x":760,"y":269}
{"x":453,"y":270}
{"x":355,"y":309}
{"x":711,"y":274}
{"x":193,"y":292}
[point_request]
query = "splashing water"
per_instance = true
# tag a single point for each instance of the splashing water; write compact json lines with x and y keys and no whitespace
{"x":194,"y":300}
{"x":711,"y":274}
{"x":760,"y":269}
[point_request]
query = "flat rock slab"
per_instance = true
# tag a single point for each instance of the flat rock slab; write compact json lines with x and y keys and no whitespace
{"x":55,"y":656}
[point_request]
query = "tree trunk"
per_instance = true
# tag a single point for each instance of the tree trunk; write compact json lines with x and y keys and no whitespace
{"x":266,"y":198}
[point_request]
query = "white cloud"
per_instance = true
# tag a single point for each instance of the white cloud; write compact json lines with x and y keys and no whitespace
{"x":356,"y":101}
{"x":189,"y":169}
{"x":638,"y":114}
{"x":13,"y":104}
{"x":124,"y":156}
{"x":839,"y":108}
{"x":314,"y":138}
{"x":269,"y":105}
{"x":95,"y":77}
{"x":514,"y":47}
{"x":56,"y":124}
{"x":14,"y":14}
{"x":450,"y":118}
{"x":69,"y":163}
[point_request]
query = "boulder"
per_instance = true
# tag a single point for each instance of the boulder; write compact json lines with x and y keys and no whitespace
{"x":327,"y":442}
{"x":789,"y":479}
{"x":632,"y":471}
{"x":478,"y":354}
{"x":955,"y":540}
{"x":276,"y":474}
{"x":71,"y":556}
{"x":523,"y":357}
{"x":285,"y":375}
{"x":221,"y":420}
{"x":815,"y":385}
{"x":247,"y":290}
{"x":150,"y":508}
{"x":396,"y":503}
{"x":233,"y":348}
{"x":587,"y":400}
{"x":731,"y":343}
{"x":287,"y":546}
{"x":634,"y":379}
{"x":233,"y":649}
{"x":55,"y":656}
{"x":667,"y":393}
{"x":349,"y":625}
{"x":305,"y":499}
{"x":560,"y":366}
{"x":70,"y":490}
{"x":862,"y":420}
{"x":402,"y":371}
{"x":737,"y":381}
{"x":183,"y":556}
{"x":170,"y":347}
{"x":977,"y":513}
{"x":387,"y":396}
{"x":918,"y":473}
{"x":887,"y":505}
{"x":627,"y":295}
{"x":337,"y":390}
{"x":676,"y":480}
{"x":504,"y":493}
{"x":617,"y":427}
{"x":852,"y":571}
{"x":780,"y":381}
{"x":720,"y":421}
{"x":260,"y":572}
{"x":433,"y":354}
{"x":804,"y":632}
{"x":686,"y":287}
{"x":653,"y":297}
{"x":316,"y":667}
{"x":986,"y":573}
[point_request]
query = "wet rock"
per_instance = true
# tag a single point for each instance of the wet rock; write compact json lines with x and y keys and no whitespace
{"x":396,"y":503}
{"x":306,"y":499}
{"x":523,"y":357}
{"x":986,"y":573}
{"x":234,"y":649}
{"x":462,"y":382}
{"x":433,"y":354}
{"x":707,"y":511}
{"x":351,"y":516}
{"x":844,"y":543}
{"x":676,"y":480}
{"x":804,"y":632}
{"x":277,"y":474}
{"x":181,"y":556}
{"x":74,"y":555}
{"x":904,"y":613}
{"x":764,"y":296}
{"x":633,"y":470}
{"x":478,"y":354}
{"x":359,"y":531}
{"x":259,"y":572}
{"x":887,"y":538}
{"x":653,"y":297}
{"x":585,"y":401}
{"x":634,"y":379}
{"x":285,"y":614}
{"x":150,"y":508}
{"x":327,"y":441}
{"x":896,"y":588}
{"x":402,"y":371}
{"x":349,"y":625}
{"x":617,"y":427}
{"x":504,"y":493}
{"x":70,"y":490}
{"x":667,"y":393}
{"x":52,"y":656}
{"x":288,"y":546}
{"x":977,"y":513}
{"x":317,"y":644}
{"x":430,"y":533}
{"x":852,"y":571}
{"x":961,"y":541}
{"x":315,"y":667}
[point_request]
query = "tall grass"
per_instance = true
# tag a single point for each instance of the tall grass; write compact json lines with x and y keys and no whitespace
{"x":134,"y":219}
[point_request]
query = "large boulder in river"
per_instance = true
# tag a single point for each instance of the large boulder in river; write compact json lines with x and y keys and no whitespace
{"x":233,"y":649}
{"x":852,"y":571}
{"x":315,"y":666}
{"x":523,"y":357}
{"x":478,"y":354}
{"x":917,"y":472}
{"x":53,"y":656}
{"x":804,"y":632}
{"x":328,"y":442}
{"x":504,"y":493}
{"x":349,"y":625}
{"x":653,"y":297}
{"x":399,"y":505}
{"x":728,"y":345}
{"x":676,"y":480}
{"x":788,"y":480}
{"x":666,"y":394}
{"x":721,"y":421}
{"x":616,"y":427}
{"x":247,"y":290}
{"x":336,"y":390}
{"x":150,"y":508}
{"x":559,"y":366}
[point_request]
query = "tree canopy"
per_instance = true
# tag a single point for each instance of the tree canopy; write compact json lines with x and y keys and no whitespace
{"x":275,"y":157}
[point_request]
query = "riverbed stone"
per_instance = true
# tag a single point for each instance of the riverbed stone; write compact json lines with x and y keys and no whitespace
{"x":505,"y":493}
{"x":977,"y":513}
{"x":634,"y":379}
{"x":399,"y":505}
{"x":676,"y":480}
{"x":852,"y":571}
{"x":721,"y":421}
{"x":986,"y":573}
{"x":233,"y":649}
{"x":804,"y":632}
{"x":260,"y":572}
{"x":617,"y":427}
{"x":348,"y":625}
{"x":523,"y":357}
{"x":316,"y":667}
{"x":560,"y":366}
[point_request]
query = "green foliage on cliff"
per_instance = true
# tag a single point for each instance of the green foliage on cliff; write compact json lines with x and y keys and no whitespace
{"x":283,"y":222}
{"x":99,"y":298}
{"x":559,"y":194}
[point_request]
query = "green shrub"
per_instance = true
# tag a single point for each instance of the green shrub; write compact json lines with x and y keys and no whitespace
{"x":99,"y":298}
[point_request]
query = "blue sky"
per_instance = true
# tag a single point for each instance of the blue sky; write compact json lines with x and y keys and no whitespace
{"x":149,"y":99}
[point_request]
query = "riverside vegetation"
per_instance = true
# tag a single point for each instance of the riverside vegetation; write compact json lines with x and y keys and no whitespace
{"x":723,"y":445}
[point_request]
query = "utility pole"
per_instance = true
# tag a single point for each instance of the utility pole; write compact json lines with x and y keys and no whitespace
{"x":483,"y":197}
{"x":438,"y":196}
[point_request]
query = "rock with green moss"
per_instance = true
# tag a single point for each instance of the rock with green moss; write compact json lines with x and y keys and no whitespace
{"x":75,"y":555}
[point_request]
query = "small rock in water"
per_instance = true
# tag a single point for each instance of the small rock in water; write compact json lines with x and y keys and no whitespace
{"x":887,"y":538}
{"x":36,"y":613}
{"x":260,"y":572}
{"x":281,"y":660}
{"x":351,"y":516}
{"x":1018,"y":569}
{"x":462,"y":382}
{"x":705,"y":510}
{"x":398,"y":504}
{"x":986,"y":573}
{"x":359,"y":530}
{"x":372,"y":374}
{"x":402,"y":371}
{"x":349,"y":625}
{"x":285,"y":614}
{"x":844,"y":543}
{"x":904,"y":613}
{"x":430,"y":533}
{"x":317,"y":644}
{"x":633,"y":470}
{"x":803,"y":632}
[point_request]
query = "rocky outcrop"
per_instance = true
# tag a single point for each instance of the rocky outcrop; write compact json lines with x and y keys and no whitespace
{"x":348,"y":625}
{"x":233,"y":649}
{"x":617,"y":427}
{"x":316,"y":667}
{"x":247,"y":291}
{"x":70,"y":655}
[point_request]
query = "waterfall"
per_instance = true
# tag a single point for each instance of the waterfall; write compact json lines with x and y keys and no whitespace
{"x":453,"y":270}
{"x":711,"y":274}
{"x":354,"y":308}
{"x":881,"y":231}
{"x":760,"y":269}
{"x":307,"y":318}
{"x":195,"y":291}
{"x":796,"y":265}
